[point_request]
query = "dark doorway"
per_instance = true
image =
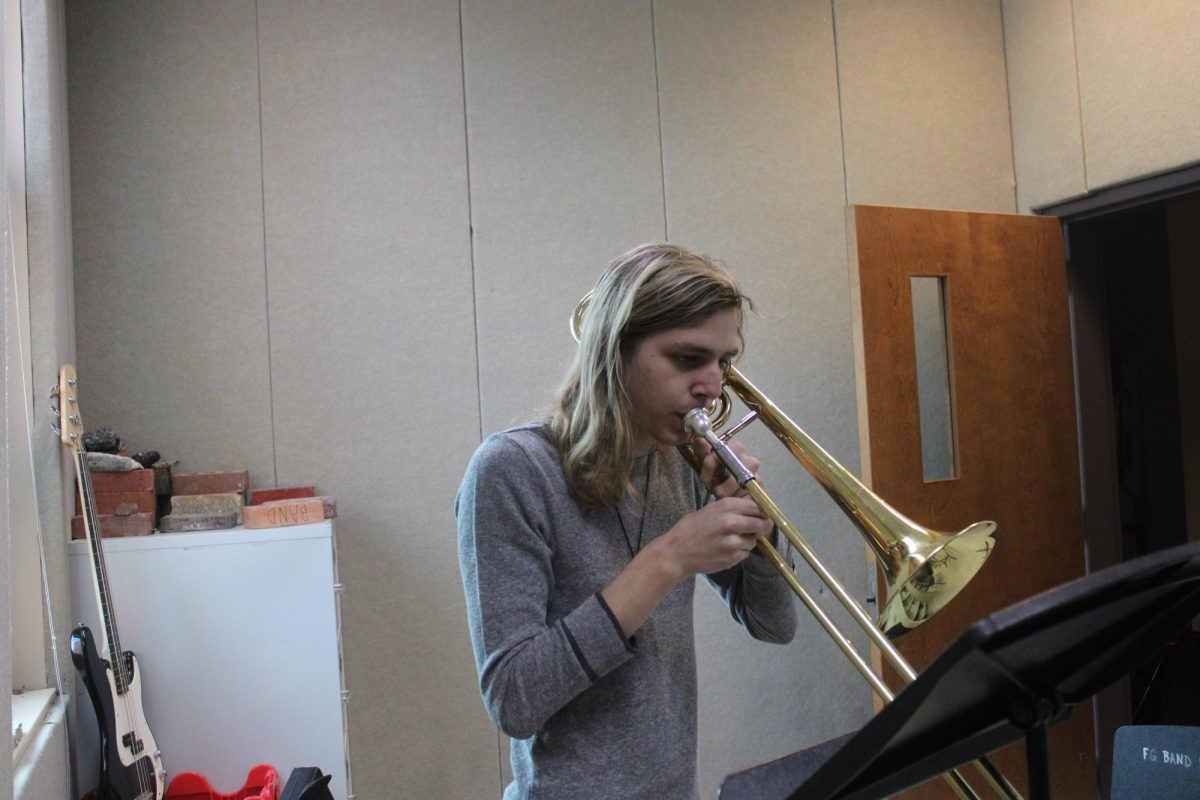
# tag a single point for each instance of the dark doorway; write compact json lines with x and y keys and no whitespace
{"x":1135,"y":247}
{"x":1134,"y":260}
{"x":1143,"y":357}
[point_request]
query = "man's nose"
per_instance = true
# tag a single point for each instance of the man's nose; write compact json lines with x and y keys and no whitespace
{"x":708,"y":387}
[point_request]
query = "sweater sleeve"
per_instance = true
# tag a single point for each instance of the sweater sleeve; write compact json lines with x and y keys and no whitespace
{"x":757,"y":596}
{"x":529,"y":665}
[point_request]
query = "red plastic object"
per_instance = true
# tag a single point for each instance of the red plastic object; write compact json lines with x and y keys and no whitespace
{"x":261,"y":784}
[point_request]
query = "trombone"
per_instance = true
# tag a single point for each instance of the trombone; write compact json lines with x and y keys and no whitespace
{"x":923,"y":568}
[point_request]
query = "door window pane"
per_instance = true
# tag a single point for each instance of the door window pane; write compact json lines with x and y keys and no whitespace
{"x":935,"y":389}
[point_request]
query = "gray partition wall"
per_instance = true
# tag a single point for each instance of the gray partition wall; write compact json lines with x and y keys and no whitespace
{"x":274,"y":274}
{"x":373,"y":368}
{"x":338,"y":244}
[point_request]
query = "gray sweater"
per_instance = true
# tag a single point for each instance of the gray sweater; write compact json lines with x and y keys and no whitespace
{"x":592,"y":714}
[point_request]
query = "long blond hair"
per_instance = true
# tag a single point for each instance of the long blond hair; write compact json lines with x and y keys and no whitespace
{"x":651,"y":288}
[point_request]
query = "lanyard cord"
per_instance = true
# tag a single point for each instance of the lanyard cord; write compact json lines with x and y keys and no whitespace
{"x":645,"y":511}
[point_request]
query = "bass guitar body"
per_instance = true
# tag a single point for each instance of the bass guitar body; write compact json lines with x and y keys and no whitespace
{"x":131,"y":767}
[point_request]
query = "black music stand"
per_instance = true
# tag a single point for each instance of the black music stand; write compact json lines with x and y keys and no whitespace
{"x":1010,"y":676}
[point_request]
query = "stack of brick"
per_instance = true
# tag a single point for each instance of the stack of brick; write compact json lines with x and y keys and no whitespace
{"x":292,"y":505}
{"x":205,"y":501}
{"x":125,"y":504}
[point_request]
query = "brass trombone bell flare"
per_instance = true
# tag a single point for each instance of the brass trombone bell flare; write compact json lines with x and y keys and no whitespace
{"x":923,"y":569}
{"x":935,"y":567}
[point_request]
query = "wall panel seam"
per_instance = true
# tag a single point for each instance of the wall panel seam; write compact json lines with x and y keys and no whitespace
{"x":462,"y":69}
{"x":662,"y":161}
{"x":262,"y":188}
{"x":837,"y":71}
{"x":1078,"y":96}
{"x":1012,"y":138}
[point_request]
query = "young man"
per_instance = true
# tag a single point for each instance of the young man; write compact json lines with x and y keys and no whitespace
{"x":580,"y":537}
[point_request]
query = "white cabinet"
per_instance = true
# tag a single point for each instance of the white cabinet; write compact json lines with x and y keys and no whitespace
{"x":237,"y":634}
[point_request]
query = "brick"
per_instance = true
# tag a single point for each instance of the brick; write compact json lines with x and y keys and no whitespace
{"x":119,"y":502}
{"x":210,"y":482}
{"x":180,"y":523}
{"x":135,"y":480}
{"x":224,"y":503}
{"x":136,"y":524}
{"x":260,"y":496}
{"x":283,"y":512}
{"x":328,"y":502}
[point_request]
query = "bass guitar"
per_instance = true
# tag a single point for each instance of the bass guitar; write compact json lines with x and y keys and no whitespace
{"x":131,"y":767}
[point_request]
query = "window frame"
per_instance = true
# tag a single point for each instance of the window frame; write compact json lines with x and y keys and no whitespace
{"x":32,"y":692}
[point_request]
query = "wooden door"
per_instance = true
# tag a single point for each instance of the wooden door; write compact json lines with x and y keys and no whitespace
{"x":1013,"y":411}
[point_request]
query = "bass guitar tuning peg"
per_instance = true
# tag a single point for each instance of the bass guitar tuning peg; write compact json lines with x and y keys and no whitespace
{"x":54,"y":411}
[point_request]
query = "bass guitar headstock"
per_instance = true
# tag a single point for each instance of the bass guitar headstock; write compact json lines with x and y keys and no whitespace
{"x":64,"y":402}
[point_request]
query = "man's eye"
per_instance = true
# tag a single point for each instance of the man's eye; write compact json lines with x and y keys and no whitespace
{"x":688,"y":361}
{"x":725,"y":364}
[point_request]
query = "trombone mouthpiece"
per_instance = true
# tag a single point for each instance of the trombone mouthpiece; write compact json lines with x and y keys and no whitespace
{"x":696,"y":423}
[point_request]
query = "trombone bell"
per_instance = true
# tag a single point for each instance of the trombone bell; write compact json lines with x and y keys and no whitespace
{"x":923,"y":569}
{"x":935,"y":567}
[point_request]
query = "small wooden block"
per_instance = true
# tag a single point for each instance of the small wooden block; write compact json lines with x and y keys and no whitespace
{"x":210,"y":482}
{"x":284,"y":512}
{"x":179,"y":523}
{"x":260,"y":496}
